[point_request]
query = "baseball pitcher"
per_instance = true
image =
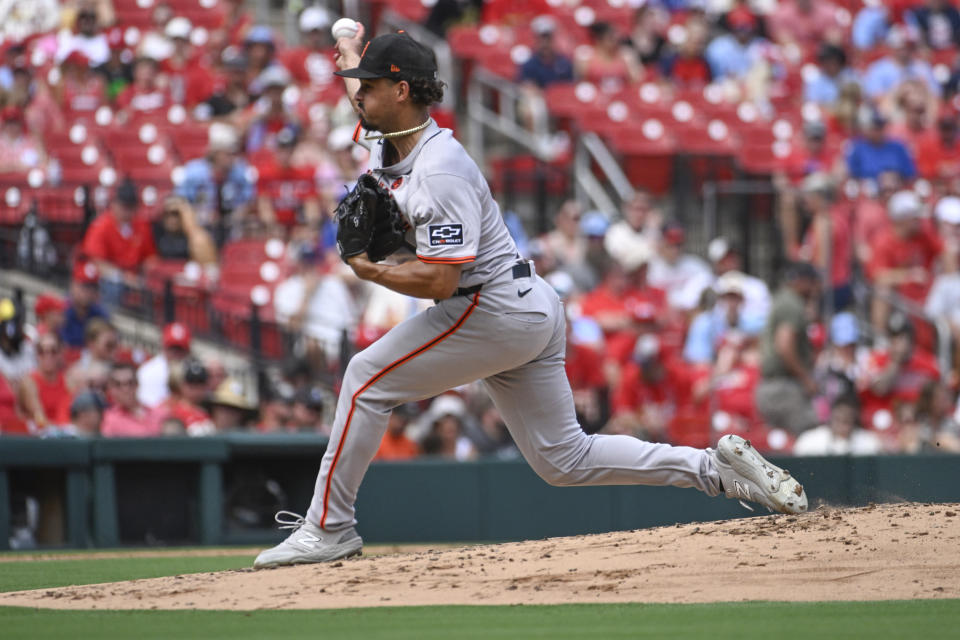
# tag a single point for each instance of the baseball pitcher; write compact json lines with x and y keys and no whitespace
{"x":494,"y":320}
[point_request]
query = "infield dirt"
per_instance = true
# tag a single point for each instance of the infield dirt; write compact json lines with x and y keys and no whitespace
{"x":881,"y":552}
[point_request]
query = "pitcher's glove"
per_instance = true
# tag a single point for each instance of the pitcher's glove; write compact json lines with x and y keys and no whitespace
{"x":368,"y":219}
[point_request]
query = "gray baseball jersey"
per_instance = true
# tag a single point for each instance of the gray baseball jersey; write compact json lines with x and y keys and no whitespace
{"x":447,"y":202}
{"x":510,"y":333}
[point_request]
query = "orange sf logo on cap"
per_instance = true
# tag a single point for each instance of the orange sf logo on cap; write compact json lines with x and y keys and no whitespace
{"x":394,"y":69}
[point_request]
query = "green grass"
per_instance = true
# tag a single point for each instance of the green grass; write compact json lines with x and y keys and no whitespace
{"x":928,"y":619}
{"x":38,"y":574}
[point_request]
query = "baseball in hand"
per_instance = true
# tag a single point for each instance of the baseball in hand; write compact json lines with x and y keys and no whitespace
{"x":344,"y":28}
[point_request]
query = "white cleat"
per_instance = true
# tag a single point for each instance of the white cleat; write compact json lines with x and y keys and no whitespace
{"x":308,"y":544}
{"x":746,"y":475}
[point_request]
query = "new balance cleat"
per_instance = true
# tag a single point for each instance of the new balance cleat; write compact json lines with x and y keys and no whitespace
{"x":308,"y":544}
{"x":746,"y":475}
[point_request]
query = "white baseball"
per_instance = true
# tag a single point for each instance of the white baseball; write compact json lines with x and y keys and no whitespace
{"x":344,"y":28}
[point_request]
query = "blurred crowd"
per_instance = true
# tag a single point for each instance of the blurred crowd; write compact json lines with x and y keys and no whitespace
{"x":663,"y":343}
{"x":251,"y":132}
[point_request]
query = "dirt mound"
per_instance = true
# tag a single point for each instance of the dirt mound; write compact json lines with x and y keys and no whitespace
{"x":897,"y":551}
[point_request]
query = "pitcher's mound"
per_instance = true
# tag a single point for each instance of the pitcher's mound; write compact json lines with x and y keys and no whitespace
{"x":885,"y":552}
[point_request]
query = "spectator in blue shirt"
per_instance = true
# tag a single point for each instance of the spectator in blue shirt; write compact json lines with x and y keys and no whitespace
{"x":733,"y":55}
{"x":547,"y":65}
{"x":832,"y":73}
{"x":875,"y":152}
{"x":888,"y":73}
{"x":83,"y":304}
{"x":709,"y":327}
{"x":220,"y":186}
{"x":870,"y":27}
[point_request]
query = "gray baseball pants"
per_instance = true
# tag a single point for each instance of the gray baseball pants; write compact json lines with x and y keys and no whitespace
{"x":516,"y":345}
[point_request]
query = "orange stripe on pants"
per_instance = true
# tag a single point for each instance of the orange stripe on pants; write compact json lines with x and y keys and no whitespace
{"x":390,"y":367}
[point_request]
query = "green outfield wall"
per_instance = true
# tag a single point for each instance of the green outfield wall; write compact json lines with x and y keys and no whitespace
{"x":224,"y":490}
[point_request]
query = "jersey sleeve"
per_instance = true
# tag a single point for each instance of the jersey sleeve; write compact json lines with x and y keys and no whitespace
{"x":448,"y":222}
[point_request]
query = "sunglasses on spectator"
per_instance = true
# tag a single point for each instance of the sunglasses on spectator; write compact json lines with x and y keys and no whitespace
{"x":123,"y":382}
{"x":48,"y":351}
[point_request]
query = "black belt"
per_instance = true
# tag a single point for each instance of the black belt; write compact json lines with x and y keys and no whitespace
{"x":521,"y":270}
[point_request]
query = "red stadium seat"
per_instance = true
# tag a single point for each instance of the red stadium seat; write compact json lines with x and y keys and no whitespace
{"x":189,"y":140}
{"x":14,"y":204}
{"x":647,"y":149}
{"x":251,"y":251}
{"x":763,"y":159}
{"x":61,"y":204}
{"x":145,"y":164}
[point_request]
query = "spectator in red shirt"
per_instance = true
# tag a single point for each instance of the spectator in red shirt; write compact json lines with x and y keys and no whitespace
{"x":188,"y":75}
{"x":894,"y":375}
{"x":50,"y":313}
{"x":395,"y":444}
{"x":651,"y":390}
{"x":805,"y":22}
{"x":816,"y":154}
{"x":584,"y":367}
{"x":48,"y":377}
{"x":938,"y":153}
{"x":608,"y":63}
{"x":145,"y":94}
{"x":870,"y":216}
{"x":287,"y":194}
{"x":616,"y":303}
{"x":232,"y":30}
{"x":311,"y":64}
{"x":904,"y":256}
{"x":189,"y":388}
{"x":10,"y":421}
{"x":18,"y":397}
{"x":126,"y":417}
{"x":120,"y":242}
{"x":688,"y":66}
{"x":79,"y":91}
{"x":914,"y":123}
{"x":735,"y":376}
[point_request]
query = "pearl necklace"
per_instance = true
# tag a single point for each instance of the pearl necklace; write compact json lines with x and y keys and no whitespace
{"x":397,"y":134}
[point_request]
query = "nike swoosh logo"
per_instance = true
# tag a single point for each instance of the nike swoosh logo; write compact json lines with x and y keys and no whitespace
{"x":523,"y":293}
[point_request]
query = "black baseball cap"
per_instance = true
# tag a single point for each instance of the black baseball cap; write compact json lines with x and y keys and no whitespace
{"x":396,"y":56}
{"x":127,"y":193}
{"x":194,"y":372}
